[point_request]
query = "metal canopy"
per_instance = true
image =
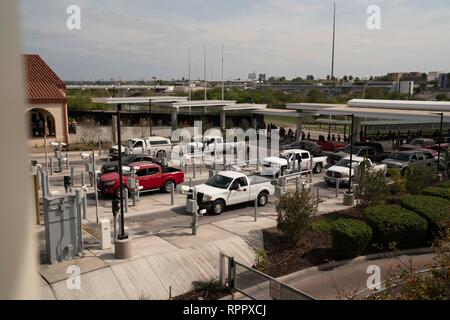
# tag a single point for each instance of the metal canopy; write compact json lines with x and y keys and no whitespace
{"x":138,"y":100}
{"x":376,"y":111}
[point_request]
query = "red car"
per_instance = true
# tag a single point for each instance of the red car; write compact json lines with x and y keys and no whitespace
{"x":151,"y":176}
{"x":331,"y":145}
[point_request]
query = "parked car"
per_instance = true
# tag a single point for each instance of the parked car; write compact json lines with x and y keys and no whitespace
{"x":331,"y":145}
{"x":127,"y":160}
{"x":158,"y":147}
{"x":231,"y":187}
{"x":409,"y":147}
{"x":404,"y":159}
{"x":341,"y":170}
{"x":360,"y":151}
{"x":276,"y":166}
{"x":310,"y":146}
{"x":427,"y":143}
{"x":151,"y":176}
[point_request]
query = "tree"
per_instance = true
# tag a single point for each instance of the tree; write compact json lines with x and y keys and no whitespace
{"x":350,"y":78}
{"x":328,"y":77}
{"x":295,"y":210}
{"x":371,"y":185}
{"x":345,"y":78}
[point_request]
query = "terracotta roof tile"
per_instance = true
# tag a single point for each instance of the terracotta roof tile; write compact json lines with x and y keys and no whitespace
{"x":42,"y":84}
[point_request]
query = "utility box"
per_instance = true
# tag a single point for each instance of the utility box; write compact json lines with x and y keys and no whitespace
{"x":191,"y":206}
{"x":63,"y":229}
{"x":105,"y":234}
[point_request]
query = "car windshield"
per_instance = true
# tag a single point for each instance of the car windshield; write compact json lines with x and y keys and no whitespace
{"x":419,"y":142}
{"x":401,"y":156}
{"x":219,"y":181}
{"x":127,"y":159}
{"x":346,"y":163}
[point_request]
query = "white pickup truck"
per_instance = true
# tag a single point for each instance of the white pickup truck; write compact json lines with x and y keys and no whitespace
{"x":276,"y":166}
{"x":229,"y":188}
{"x":158,"y":147}
{"x":341,"y":170}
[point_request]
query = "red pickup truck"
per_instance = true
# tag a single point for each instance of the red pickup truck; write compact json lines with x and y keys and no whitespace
{"x":151,"y":176}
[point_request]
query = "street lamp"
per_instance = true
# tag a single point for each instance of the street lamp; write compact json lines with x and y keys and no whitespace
{"x":122,"y":235}
{"x":441,"y":114}
{"x":351,"y":154}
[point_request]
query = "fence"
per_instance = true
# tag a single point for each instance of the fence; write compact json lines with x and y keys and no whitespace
{"x":255,"y":284}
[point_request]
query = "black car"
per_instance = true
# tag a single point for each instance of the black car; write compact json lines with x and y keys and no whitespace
{"x":113,"y":166}
{"x":312,"y":147}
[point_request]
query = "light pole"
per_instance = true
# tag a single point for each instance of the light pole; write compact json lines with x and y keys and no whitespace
{"x":441,"y":114}
{"x":351,"y":155}
{"x":122,"y":235}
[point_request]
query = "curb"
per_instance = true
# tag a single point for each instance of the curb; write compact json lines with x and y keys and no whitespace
{"x":332,"y":265}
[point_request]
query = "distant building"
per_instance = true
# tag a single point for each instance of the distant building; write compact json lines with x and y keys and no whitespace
{"x":310,"y":77}
{"x":395,"y":76}
{"x":46,"y":102}
{"x":262,"y":77}
{"x":433,"y":75}
{"x":252,"y":76}
{"x":444,"y":82}
{"x":405,"y":87}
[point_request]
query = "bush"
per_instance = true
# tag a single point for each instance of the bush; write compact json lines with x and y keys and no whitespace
{"x":435,"y":210}
{"x":350,"y":238}
{"x":261,"y":260}
{"x":371,"y":185}
{"x":394,"y":225}
{"x":418,"y":178}
{"x":437,"y":192}
{"x":399,"y":182}
{"x":445,"y":184}
{"x":295,"y":211}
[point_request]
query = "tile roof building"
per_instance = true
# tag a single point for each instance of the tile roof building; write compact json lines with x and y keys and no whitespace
{"x":46,"y":102}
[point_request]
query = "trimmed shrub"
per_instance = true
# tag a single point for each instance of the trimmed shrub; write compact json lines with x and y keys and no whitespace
{"x":371,"y":185}
{"x":437,"y":192}
{"x":445,"y":184}
{"x":418,"y":178}
{"x":350,"y":238}
{"x":435,"y":210}
{"x":394,"y":225}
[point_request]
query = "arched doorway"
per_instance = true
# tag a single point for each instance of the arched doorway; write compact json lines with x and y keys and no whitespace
{"x":41,"y":122}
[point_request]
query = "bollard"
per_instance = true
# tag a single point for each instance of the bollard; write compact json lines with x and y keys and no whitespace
{"x":190,"y":182}
{"x":296,"y":185}
{"x":133,"y":196}
{"x":125,"y":195}
{"x":256,"y":210}
{"x":193,"y":167}
{"x":337,"y":188}
{"x":52,"y":169}
{"x":79,"y":200}
{"x":194,"y":223}
{"x":85,"y":205}
{"x":172,"y":195}
{"x":83,"y":180}
{"x":318,"y":194}
{"x":47,"y":185}
{"x":43,"y":187}
{"x":72,"y":173}
{"x":67,"y":161}
{"x":185,"y":168}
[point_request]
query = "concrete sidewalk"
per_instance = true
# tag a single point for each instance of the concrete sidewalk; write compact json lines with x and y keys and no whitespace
{"x":163,"y":261}
{"x":347,"y":280}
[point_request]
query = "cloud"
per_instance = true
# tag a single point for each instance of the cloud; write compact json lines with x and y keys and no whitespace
{"x":141,"y":38}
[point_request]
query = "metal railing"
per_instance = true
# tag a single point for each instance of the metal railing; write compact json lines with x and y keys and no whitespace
{"x":255,"y":284}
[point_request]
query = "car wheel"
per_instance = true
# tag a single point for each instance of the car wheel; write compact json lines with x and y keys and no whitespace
{"x":318,"y":168}
{"x":263,"y":198}
{"x":168,"y":186}
{"x":218,"y":207}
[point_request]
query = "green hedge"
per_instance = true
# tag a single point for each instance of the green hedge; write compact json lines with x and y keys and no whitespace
{"x":435,"y":210}
{"x":437,"y":192}
{"x":394,"y":224}
{"x":350,"y":238}
{"x":445,"y":184}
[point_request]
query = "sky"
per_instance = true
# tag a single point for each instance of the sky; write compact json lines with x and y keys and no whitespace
{"x":141,"y":39}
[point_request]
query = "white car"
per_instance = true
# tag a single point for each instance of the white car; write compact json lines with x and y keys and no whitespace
{"x":276,"y":166}
{"x":341,"y":170}
{"x":231,"y":187}
{"x":158,"y":147}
